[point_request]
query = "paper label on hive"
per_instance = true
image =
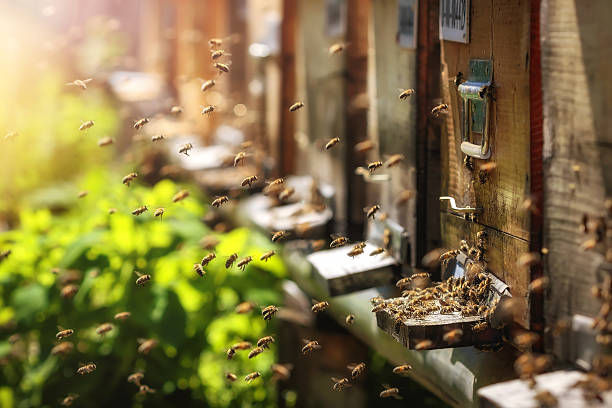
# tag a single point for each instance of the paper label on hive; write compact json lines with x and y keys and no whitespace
{"x":454,"y":20}
{"x":335,"y":262}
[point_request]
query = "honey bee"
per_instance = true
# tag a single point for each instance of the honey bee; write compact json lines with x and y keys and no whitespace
{"x":146,"y":345}
{"x":242,"y":345}
{"x":357,"y":369}
{"x":406,"y":93}
{"x":244,"y":307}
{"x":355,"y":251}
{"x":206,"y":260}
{"x":122,"y":315}
{"x":350,"y":319}
{"x":249,"y":181}
{"x":252,"y":376}
{"x":129,"y":178}
{"x":340,"y":384}
{"x":402,"y":369}
{"x":394,"y":160}
{"x":332,"y":143}
{"x":69,"y":400}
{"x":87,"y":369}
{"x":296,"y":106}
{"x":222,"y":67}
{"x":338,"y":242}
{"x":186,"y":148}
{"x":453,"y":336}
{"x":199,"y":270}
{"x":526,"y":339}
{"x":145,"y":389}
{"x":546,"y":399}
{"x":239,"y":158}
{"x":86,"y":125}
{"x":310,"y":346}
{"x":230,"y":260}
{"x":159,"y":212}
{"x":140,"y":123}
{"x":215,"y":42}
{"x":217,"y":202}
{"x":176,"y":110}
{"x":389,"y":392}
{"x":268,"y":312}
{"x":81,"y":83}
{"x":230,"y":353}
{"x":216,"y":54}
{"x":374,"y":165}
{"x":528,"y":259}
{"x":82,"y":194}
{"x":371,"y":212}
{"x":336,"y":48}
{"x":62,"y":334}
{"x":403,"y":197}
{"x":267,"y":255}
{"x":105,"y":141}
{"x":319,"y":307}
{"x":264,"y":342}
{"x":364,"y":146}
{"x":448,"y":255}
{"x":112,"y":210}
{"x":480,"y":327}
{"x":281,"y":371}
{"x":181,"y":195}
{"x":423,"y":345}
{"x":231,"y":377}
{"x":437,"y":110}
{"x":206,"y":85}
{"x":207,"y":109}
{"x":104,"y":328}
{"x":140,"y":210}
{"x":256,"y":351}
{"x":157,"y":138}
{"x":539,"y":284}
{"x":69,"y":291}
{"x":242,"y":264}
{"x":377,"y":251}
{"x":142,"y":279}
{"x":387,"y":239}
{"x":62,"y":349}
{"x":286,"y":193}
{"x":278,"y":235}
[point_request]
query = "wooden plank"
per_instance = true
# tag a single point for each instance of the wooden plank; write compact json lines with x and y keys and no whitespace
{"x":501,"y":256}
{"x":395,"y":67}
{"x":576,"y":62}
{"x":287,"y":143}
{"x":499,"y":31}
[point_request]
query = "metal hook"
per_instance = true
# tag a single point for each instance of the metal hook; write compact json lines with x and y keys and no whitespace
{"x":462,"y":210}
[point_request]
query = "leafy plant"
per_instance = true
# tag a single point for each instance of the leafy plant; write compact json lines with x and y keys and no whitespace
{"x":192,"y":317}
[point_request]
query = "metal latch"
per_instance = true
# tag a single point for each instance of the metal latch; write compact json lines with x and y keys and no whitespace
{"x":461,"y":210}
{"x":476,"y":107}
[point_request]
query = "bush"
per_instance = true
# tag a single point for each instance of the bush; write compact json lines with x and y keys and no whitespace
{"x":192,"y":317}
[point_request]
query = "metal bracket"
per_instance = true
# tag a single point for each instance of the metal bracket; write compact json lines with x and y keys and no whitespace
{"x":462,"y":210}
{"x":476,"y":108}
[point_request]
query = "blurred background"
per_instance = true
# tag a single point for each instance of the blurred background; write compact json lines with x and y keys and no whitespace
{"x":65,"y":214}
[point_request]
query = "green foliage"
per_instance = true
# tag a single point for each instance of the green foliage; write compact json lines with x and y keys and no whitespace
{"x":192,"y":317}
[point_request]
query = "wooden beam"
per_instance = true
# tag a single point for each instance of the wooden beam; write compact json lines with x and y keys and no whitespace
{"x":287,"y":153}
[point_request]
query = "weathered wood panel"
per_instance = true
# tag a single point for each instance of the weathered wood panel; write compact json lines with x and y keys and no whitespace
{"x":500,"y":31}
{"x":502,"y":252}
{"x":287,"y":144}
{"x":577,"y":94}
{"x":395,"y":69}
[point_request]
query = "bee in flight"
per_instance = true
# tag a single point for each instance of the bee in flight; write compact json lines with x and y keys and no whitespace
{"x":206,"y":260}
{"x":181,"y":195}
{"x":278,"y":235}
{"x":340,"y":384}
{"x":374,"y":165}
{"x":142,"y":278}
{"x":248,"y":181}
{"x":217,"y":202}
{"x":244,"y":262}
{"x":206,"y":85}
{"x":140,"y":210}
{"x":140,"y":123}
{"x":207,"y":109}
{"x":402,"y":369}
{"x":332,"y":143}
{"x":81,"y":83}
{"x":239,"y":158}
{"x":245,"y":307}
{"x":265,"y":341}
{"x":199,"y":270}
{"x":230,"y":260}
{"x":186,"y":148}
{"x":268,"y":312}
{"x":439,"y":109}
{"x":337,"y":48}
{"x":390,"y":392}
{"x":252,"y":376}
{"x":86,"y":125}
{"x":371,"y":211}
{"x":105,"y":141}
{"x":223,"y":68}
{"x":159,"y":212}
{"x":355,"y":251}
{"x":256,"y":351}
{"x":216,"y":54}
{"x":69,"y":400}
{"x":62,"y":334}
{"x":357,"y":369}
{"x":310,"y":346}
{"x":231,"y":377}
{"x":104,"y":328}
{"x":406,"y":93}
{"x":146,"y":345}
{"x":350,"y":319}
{"x":296,"y":106}
{"x":176,"y":110}
{"x":129,"y":178}
{"x":319,"y":307}
{"x":86,"y":369}
{"x":338,"y":241}
{"x":122,"y":316}
{"x":267,"y":255}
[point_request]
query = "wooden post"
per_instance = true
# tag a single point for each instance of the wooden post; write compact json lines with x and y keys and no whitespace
{"x":287,"y":148}
{"x":356,"y":119}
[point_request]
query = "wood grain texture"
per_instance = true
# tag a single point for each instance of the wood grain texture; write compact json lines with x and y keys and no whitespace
{"x":395,"y":69}
{"x":287,"y":144}
{"x":501,"y":254}
{"x":499,"y":31}
{"x":576,"y":64}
